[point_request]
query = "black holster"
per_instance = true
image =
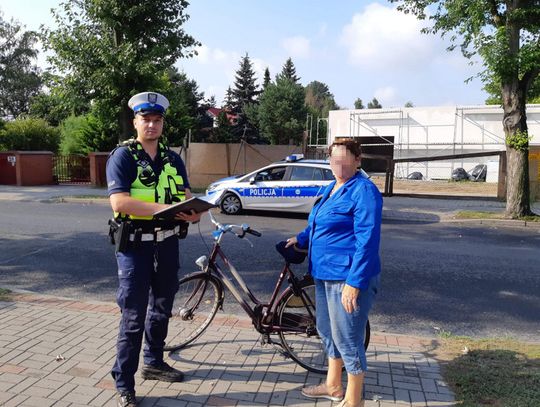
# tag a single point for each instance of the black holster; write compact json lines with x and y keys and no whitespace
{"x":182,"y":233}
{"x":119,"y":234}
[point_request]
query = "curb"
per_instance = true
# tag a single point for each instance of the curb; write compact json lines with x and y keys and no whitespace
{"x":409,"y":216}
{"x":498,"y":223}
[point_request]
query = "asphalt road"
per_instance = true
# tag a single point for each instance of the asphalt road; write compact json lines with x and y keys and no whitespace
{"x":463,"y":279}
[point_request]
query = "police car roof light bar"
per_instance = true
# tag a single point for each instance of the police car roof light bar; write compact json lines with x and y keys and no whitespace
{"x":294,"y":157}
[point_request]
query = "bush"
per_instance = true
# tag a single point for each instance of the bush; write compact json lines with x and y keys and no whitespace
{"x":71,"y":135}
{"x":29,"y":134}
{"x":82,"y":135}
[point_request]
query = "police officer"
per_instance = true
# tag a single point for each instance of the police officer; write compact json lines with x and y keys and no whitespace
{"x":143,"y":177}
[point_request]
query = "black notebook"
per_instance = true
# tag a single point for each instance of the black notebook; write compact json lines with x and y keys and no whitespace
{"x":196,"y":204}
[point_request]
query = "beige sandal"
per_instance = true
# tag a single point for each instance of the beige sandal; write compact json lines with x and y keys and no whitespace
{"x":320,"y":391}
{"x":345,"y":403}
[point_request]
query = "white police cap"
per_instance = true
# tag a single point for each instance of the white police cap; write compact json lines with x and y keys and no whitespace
{"x":148,"y":103}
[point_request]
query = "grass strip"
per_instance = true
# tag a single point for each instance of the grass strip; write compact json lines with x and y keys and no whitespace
{"x":5,"y":294}
{"x":492,"y":215}
{"x":491,"y":372}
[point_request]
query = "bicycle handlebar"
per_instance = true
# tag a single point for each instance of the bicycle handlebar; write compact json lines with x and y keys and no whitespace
{"x":229,"y":228}
{"x":254,"y":233}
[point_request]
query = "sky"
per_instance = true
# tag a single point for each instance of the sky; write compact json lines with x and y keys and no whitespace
{"x":360,"y":49}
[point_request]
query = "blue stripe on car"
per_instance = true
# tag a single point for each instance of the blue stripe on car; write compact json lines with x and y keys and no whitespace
{"x":302,"y":191}
{"x":286,"y":191}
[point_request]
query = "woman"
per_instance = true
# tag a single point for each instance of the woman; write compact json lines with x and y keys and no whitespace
{"x":343,"y":236}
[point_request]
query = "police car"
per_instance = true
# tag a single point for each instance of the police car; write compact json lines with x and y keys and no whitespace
{"x":291,"y":185}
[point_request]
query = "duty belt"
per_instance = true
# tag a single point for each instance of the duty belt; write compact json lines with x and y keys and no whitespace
{"x":158,"y":236}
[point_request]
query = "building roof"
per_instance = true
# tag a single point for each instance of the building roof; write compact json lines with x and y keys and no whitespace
{"x":214,"y":112}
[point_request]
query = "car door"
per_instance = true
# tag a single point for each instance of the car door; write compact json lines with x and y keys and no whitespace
{"x":265,"y":191}
{"x":303,"y":186}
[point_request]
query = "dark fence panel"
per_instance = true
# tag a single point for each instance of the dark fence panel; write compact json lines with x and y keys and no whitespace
{"x":71,"y":169}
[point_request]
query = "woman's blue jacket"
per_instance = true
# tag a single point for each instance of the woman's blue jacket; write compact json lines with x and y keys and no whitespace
{"x":344,"y":232}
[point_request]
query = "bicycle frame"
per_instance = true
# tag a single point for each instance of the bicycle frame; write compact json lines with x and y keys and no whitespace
{"x":289,"y":314}
{"x":261,"y":313}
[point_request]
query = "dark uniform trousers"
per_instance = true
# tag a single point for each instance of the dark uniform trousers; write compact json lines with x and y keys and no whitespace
{"x":148,"y":281}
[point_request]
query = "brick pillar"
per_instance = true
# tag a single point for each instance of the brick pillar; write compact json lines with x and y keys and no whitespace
{"x":98,"y":162}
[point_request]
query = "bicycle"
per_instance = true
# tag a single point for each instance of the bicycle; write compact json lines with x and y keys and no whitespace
{"x":290,"y":315}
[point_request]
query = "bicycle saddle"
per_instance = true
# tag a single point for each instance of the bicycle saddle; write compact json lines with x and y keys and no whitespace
{"x":292,"y":254}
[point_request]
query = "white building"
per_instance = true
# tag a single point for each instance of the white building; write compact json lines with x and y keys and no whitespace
{"x":431,"y":131}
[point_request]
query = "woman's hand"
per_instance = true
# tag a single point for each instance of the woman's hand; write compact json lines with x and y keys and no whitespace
{"x":349,"y":296}
{"x":189,"y":217}
{"x":291,"y":241}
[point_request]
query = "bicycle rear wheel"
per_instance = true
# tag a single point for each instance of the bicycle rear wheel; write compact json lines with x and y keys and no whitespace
{"x":296,"y":315}
{"x":195,"y":305}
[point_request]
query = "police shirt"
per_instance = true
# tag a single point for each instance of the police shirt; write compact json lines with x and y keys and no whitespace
{"x":121,"y":169}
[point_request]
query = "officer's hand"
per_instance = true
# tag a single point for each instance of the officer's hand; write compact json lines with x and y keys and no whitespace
{"x":189,"y":217}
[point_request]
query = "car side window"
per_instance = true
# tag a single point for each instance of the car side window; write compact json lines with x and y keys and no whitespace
{"x":328,"y":175}
{"x":271,"y":174}
{"x":261,"y":176}
{"x":277,"y":173}
{"x":302,"y":173}
{"x":318,"y":174}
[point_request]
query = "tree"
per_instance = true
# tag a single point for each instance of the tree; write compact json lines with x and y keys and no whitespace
{"x":282,"y":112}
{"x":266,"y":79}
{"x":245,"y":90}
{"x":495,"y":97}
{"x":223,"y":132}
{"x":82,"y":135}
{"x":50,"y":107}
{"x":319,"y":101}
{"x":506,"y":35}
{"x":409,"y":104}
{"x":19,"y":76}
{"x":210,"y":102}
{"x":319,"y":97}
{"x":358,"y":104}
{"x":228,"y":100}
{"x":106,"y":51}
{"x":289,"y":71}
{"x":374,"y":104}
{"x":244,"y":100}
{"x":183,"y":113}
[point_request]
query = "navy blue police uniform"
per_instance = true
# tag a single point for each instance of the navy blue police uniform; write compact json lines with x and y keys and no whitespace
{"x":147,"y":265}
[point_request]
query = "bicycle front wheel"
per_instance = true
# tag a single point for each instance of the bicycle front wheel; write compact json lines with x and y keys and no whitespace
{"x":195,"y":305}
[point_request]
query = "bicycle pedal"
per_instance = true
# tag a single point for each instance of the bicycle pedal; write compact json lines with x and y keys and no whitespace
{"x":265,"y":339}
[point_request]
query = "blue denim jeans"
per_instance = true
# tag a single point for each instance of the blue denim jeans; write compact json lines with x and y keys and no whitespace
{"x":342,"y":333}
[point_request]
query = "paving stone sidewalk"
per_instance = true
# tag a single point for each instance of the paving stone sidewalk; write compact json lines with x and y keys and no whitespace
{"x":58,"y":352}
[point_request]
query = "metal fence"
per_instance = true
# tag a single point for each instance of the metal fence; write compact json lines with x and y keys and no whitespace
{"x":436,"y":175}
{"x":71,"y":169}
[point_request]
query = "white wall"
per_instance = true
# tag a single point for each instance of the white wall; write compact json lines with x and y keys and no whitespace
{"x":432,"y":131}
{"x":439,"y":124}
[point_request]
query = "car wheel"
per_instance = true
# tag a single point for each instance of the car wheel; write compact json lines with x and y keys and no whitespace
{"x":230,"y":204}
